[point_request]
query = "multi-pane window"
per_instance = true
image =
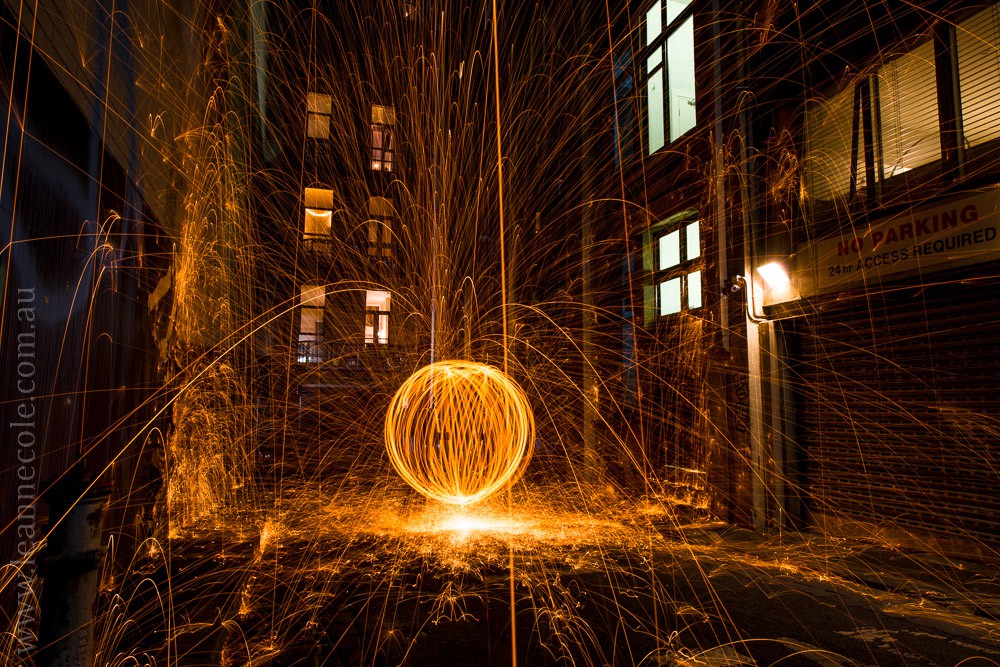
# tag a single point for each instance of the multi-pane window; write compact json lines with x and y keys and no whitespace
{"x":379,"y":227}
{"x":673,"y":260}
{"x":383,"y":123}
{"x":670,"y":87}
{"x":311,"y":306}
{"x":866,"y":136}
{"x":906,"y":125}
{"x":318,"y":110}
{"x":318,"y":217}
{"x":377,"y":317}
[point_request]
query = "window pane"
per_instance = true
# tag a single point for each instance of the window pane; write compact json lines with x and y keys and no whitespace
{"x":313,"y":295}
{"x":674,"y":8}
{"x":670,"y":296}
{"x":654,"y":25}
{"x":311,"y":323}
{"x":319,"y":198}
{"x":979,"y":75}
{"x":380,"y":207}
{"x":377,"y":316}
{"x":654,"y":59}
{"x":827,"y":157}
{"x":317,"y":103}
{"x":670,"y":250}
{"x":694,"y":290}
{"x":383,"y":115}
{"x":654,"y":104}
{"x":680,"y":77}
{"x":693,"y":240}
{"x":907,"y":91}
{"x":318,"y":126}
{"x":317,"y":222}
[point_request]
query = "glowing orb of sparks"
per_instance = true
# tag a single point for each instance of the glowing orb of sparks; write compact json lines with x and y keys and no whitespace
{"x":458,"y":431}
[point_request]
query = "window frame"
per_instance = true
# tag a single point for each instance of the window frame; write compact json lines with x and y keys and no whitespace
{"x":312,"y":96}
{"x":656,"y":57}
{"x":379,"y":238}
{"x":310,"y":346}
{"x":323,"y":240}
{"x":688,"y":269}
{"x":378,"y":318}
{"x":958,"y":162}
{"x":383,"y":124}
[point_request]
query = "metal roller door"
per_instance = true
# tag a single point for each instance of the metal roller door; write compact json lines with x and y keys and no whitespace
{"x":899,"y":411}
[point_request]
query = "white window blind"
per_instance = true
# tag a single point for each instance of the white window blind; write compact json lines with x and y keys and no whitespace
{"x":827,"y":160}
{"x":907,"y":92}
{"x":979,"y":75}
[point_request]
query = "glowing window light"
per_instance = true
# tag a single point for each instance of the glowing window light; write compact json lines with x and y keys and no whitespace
{"x":693,"y":240}
{"x":670,"y":250}
{"x":313,"y":302}
{"x":458,"y":431}
{"x":675,"y":7}
{"x":383,"y":121}
{"x":774,"y":275}
{"x":694,"y":289}
{"x":673,"y":108}
{"x":670,"y":296}
{"x":654,"y":22}
{"x":319,"y":109}
{"x":680,"y":64}
{"x":377,"y":316}
{"x":318,"y":213}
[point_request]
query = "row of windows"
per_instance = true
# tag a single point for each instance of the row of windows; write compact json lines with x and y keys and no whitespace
{"x":885,"y":133}
{"x":319,"y":218}
{"x":313,"y":347}
{"x":319,"y":117}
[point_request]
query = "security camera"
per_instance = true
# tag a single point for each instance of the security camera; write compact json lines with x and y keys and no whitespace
{"x":733,"y":286}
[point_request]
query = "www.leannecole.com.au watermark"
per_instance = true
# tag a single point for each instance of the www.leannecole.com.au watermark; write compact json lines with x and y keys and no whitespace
{"x":23,"y":433}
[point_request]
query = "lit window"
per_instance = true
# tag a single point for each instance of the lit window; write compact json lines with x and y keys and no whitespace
{"x":318,"y":110}
{"x":670,"y":296}
{"x":379,"y":227}
{"x":670,"y":250}
{"x":979,"y":75}
{"x":828,"y":125}
{"x":862,"y":139}
{"x":693,"y":238}
{"x":694,"y":289}
{"x":377,"y":317}
{"x":383,"y":122}
{"x":318,"y":216}
{"x":672,"y":257}
{"x":670,"y":76}
{"x":311,"y":306}
{"x":907,"y":92}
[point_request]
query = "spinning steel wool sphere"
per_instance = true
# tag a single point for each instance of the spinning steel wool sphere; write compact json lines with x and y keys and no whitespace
{"x":458,"y":431}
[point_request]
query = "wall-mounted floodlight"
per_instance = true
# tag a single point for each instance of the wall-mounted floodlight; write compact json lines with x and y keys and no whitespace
{"x":775,"y":275}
